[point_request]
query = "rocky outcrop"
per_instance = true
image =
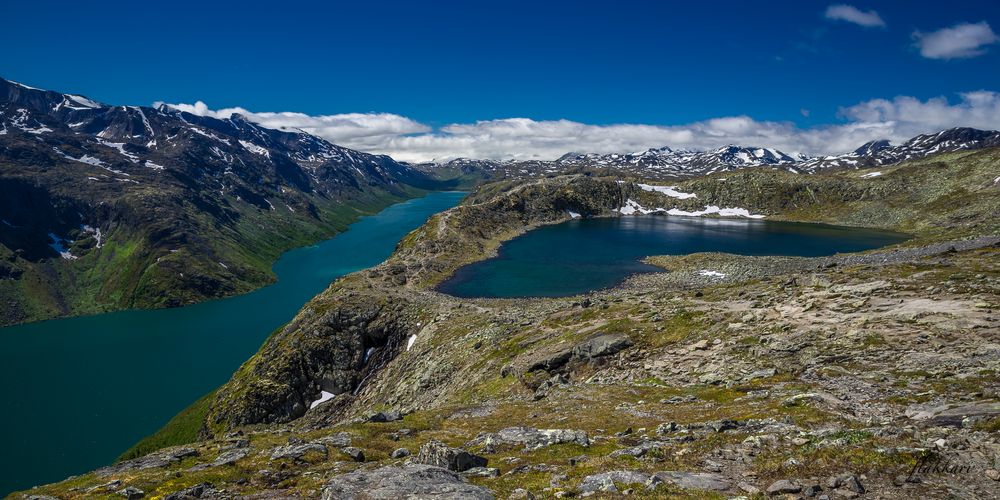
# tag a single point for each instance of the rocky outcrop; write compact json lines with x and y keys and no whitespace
{"x":323,"y":349}
{"x":557,"y":357}
{"x":530,"y":438}
{"x":410,"y":481}
{"x":159,"y":459}
{"x":439,"y":454}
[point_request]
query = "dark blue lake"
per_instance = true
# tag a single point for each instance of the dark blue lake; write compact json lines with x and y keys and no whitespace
{"x":80,"y":391}
{"x":582,"y":255}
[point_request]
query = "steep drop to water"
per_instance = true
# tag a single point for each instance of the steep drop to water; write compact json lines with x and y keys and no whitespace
{"x":79,"y":391}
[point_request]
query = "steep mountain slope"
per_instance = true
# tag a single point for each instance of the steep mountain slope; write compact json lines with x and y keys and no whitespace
{"x":763,"y":377}
{"x":105,"y":207}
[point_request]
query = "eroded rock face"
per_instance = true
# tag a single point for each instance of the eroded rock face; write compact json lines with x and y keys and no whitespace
{"x":413,"y":481}
{"x":321,"y":350}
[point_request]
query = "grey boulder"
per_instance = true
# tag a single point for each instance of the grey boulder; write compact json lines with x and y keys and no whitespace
{"x":439,"y":454}
{"x":414,"y":481}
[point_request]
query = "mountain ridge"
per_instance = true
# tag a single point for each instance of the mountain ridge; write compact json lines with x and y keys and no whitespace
{"x":666,"y":163}
{"x":108,"y":207}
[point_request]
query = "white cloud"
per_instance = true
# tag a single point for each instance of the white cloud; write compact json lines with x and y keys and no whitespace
{"x":340,"y":128}
{"x":959,"y":41}
{"x":895,"y":119}
{"x":852,"y":14}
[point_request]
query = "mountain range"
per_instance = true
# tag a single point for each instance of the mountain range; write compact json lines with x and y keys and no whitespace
{"x":127,"y":206}
{"x":107,"y":207}
{"x":672,"y":164}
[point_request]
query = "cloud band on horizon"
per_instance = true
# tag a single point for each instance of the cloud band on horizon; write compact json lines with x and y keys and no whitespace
{"x":405,"y":139}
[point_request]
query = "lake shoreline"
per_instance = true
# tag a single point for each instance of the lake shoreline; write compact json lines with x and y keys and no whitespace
{"x":173,"y":355}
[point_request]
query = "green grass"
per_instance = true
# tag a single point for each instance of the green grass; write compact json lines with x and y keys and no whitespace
{"x":184,"y":428}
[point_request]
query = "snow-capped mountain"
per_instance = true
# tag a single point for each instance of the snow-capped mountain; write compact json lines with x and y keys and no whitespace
{"x":877,"y":153}
{"x":145,"y":207}
{"x":666,"y":163}
{"x":135,"y":142}
{"x":683,"y":162}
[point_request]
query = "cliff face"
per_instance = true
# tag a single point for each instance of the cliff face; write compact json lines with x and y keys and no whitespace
{"x":762,"y":377}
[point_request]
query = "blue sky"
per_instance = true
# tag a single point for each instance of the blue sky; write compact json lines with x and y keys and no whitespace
{"x":444,"y":63}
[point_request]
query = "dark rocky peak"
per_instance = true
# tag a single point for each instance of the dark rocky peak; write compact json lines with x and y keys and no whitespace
{"x":750,"y":155}
{"x":872,"y":147}
{"x":571,"y":156}
{"x":955,"y":137}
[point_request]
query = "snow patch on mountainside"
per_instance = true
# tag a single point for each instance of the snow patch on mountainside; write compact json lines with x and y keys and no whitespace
{"x":714,"y":210}
{"x":120,"y":146}
{"x":57,"y":245}
{"x":632,"y":207}
{"x":711,"y":274}
{"x":323,"y":397}
{"x":253,"y":148}
{"x":670,"y":191}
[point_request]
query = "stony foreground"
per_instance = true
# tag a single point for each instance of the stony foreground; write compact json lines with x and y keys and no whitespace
{"x":863,"y":381}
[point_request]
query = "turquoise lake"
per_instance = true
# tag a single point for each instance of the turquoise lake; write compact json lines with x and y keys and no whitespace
{"x":582,"y":255}
{"x":80,"y":391}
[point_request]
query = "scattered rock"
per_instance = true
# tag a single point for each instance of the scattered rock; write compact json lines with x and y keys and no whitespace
{"x":400,"y":453}
{"x":338,"y":440}
{"x":605,"y":481}
{"x":481,"y":472}
{"x":954,"y":416}
{"x":197,"y":491}
{"x":530,"y":438}
{"x":845,"y":481}
{"x":410,"y":481}
{"x":521,"y":494}
{"x":695,"y":480}
{"x":131,"y":493}
{"x":601,"y":344}
{"x":355,"y":453}
{"x":297,"y":451}
{"x":230,"y":457}
{"x":161,"y":458}
{"x":783,"y":486}
{"x":386,"y":416}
